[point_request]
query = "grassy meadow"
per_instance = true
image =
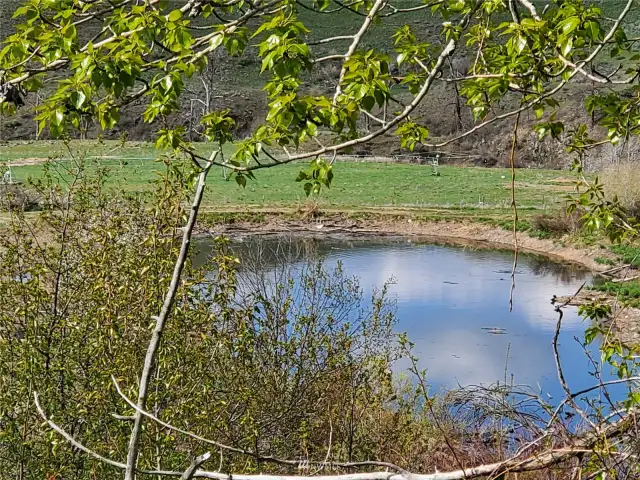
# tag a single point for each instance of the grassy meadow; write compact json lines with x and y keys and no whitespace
{"x":357,"y":185}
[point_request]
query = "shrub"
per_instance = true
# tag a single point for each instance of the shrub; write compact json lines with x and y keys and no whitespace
{"x":559,"y":223}
{"x":257,"y":363}
{"x":623,"y":180}
{"x":16,"y":197}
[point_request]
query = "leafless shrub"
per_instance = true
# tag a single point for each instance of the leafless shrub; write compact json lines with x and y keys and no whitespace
{"x":309,"y":209}
{"x":558,"y":223}
{"x":14,"y":197}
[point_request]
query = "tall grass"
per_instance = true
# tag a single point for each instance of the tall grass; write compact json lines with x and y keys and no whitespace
{"x":623,"y":180}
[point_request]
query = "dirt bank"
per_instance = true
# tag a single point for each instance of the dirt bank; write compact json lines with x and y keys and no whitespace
{"x":463,"y":232}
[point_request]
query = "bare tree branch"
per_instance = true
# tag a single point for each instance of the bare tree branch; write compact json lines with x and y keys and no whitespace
{"x":532,"y":9}
{"x":161,"y":319}
{"x":72,"y":440}
{"x":331,"y":39}
{"x":556,"y":353}
{"x":514,"y":206}
{"x":195,"y":464}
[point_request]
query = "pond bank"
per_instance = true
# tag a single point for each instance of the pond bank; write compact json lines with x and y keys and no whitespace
{"x":464,"y":232}
{"x":624,"y":321}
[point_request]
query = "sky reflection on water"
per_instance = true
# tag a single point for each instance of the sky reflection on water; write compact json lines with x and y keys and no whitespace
{"x":446,"y":298}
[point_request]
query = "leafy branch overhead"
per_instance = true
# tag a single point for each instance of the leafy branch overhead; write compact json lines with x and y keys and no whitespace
{"x":147,"y":52}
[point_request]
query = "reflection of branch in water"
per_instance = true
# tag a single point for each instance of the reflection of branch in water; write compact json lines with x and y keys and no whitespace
{"x":266,"y":252}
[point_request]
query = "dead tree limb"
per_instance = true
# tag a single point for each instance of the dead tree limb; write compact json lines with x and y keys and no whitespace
{"x":583,"y":445}
{"x":195,"y":464}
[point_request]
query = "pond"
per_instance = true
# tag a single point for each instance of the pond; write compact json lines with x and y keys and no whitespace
{"x":453,"y":302}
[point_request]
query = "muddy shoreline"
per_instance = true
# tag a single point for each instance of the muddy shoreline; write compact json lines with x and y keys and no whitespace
{"x":464,"y":233}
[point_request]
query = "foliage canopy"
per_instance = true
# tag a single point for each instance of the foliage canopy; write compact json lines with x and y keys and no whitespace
{"x":121,"y":267}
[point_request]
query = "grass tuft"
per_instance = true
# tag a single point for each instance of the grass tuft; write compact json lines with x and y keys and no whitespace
{"x":628,"y":292}
{"x":627,"y":253}
{"x":604,"y":261}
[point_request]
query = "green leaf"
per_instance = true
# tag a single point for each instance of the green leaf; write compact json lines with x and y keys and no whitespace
{"x":593,"y":29}
{"x":59,"y":117}
{"x":308,"y":187}
{"x":368,"y":102}
{"x":539,"y":111}
{"x":167,"y":83}
{"x":567,"y":47}
{"x":312,"y":129}
{"x":216,"y":41}
{"x":569,"y":25}
{"x":241,"y":180}
{"x":78,"y":99}
{"x":175,"y":16}
{"x":21,"y":11}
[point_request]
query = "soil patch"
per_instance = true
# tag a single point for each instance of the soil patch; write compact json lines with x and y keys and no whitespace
{"x":22,"y":162}
{"x":542,"y":186}
{"x":564,"y":180}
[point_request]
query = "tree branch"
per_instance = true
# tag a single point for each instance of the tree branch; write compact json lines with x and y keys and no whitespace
{"x":532,"y":9}
{"x":356,"y":41}
{"x":195,"y":464}
{"x":570,"y":399}
{"x":161,"y":319}
{"x":72,"y":440}
{"x":426,"y":86}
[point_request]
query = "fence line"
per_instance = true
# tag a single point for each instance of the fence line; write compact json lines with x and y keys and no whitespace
{"x":401,"y":158}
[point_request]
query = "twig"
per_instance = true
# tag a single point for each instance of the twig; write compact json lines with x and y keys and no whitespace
{"x":556,"y":355}
{"x":331,"y":39}
{"x":615,"y":269}
{"x":427,"y":401}
{"x":532,"y":9}
{"x":515,"y":15}
{"x":512,"y":164}
{"x":72,"y":440}
{"x":618,"y":280}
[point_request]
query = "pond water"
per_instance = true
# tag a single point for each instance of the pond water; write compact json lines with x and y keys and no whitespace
{"x":450,"y":297}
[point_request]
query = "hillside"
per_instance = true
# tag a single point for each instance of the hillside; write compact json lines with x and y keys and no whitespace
{"x":237,"y":84}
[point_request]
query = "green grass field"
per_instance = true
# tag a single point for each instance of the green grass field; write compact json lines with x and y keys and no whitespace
{"x":356,"y":184}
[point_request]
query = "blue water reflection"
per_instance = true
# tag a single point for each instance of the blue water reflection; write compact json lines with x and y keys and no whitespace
{"x":448,"y":297}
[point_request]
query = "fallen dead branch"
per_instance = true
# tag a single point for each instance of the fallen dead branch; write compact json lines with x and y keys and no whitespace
{"x":584,"y":445}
